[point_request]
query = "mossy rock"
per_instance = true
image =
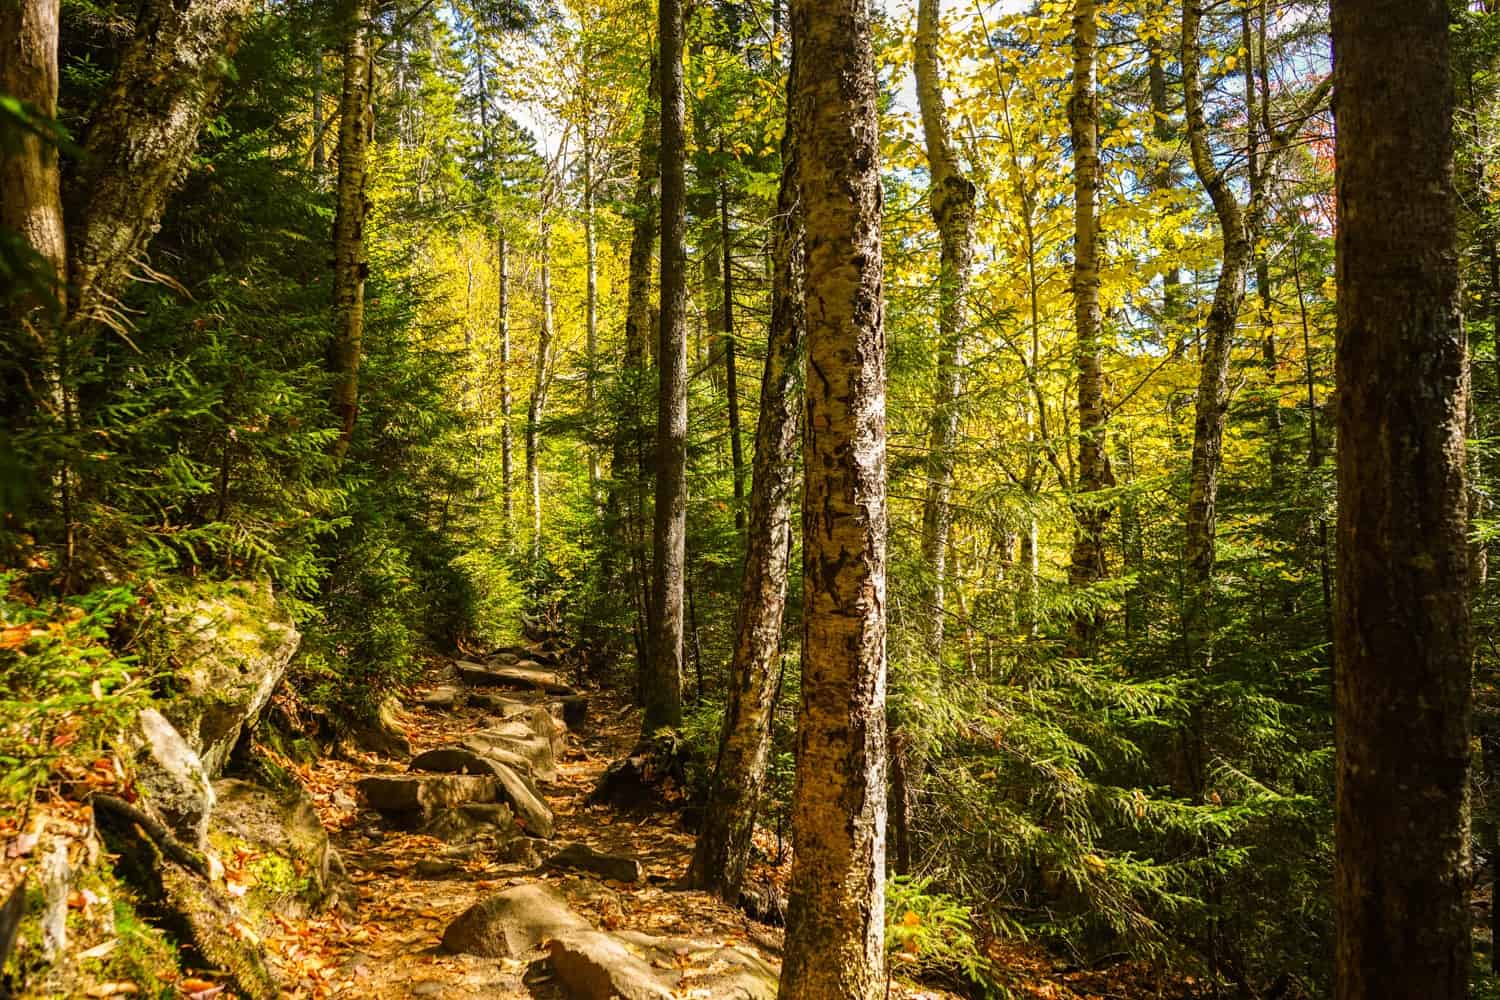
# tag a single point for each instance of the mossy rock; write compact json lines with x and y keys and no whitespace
{"x":228,"y":646}
{"x":293,"y":870}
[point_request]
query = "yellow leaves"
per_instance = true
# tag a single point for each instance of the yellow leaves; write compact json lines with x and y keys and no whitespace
{"x":911,"y":919}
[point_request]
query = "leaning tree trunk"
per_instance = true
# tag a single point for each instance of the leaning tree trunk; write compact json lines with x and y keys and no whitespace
{"x":662,"y":685}
{"x":356,"y":130}
{"x":951,"y":201}
{"x":723,"y":848}
{"x":1212,"y":409}
{"x":1402,"y":674}
{"x":836,"y":908}
{"x":1087,"y":565}
{"x":731,"y":370}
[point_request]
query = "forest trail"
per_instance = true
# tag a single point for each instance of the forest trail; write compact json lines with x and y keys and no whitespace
{"x":412,"y":885}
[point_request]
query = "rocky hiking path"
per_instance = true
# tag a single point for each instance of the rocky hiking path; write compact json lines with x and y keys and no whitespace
{"x":463,"y":893}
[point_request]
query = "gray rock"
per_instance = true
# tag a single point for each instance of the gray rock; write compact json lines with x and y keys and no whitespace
{"x":434,"y":868}
{"x":593,"y":965}
{"x":510,"y":924}
{"x":235,"y":644}
{"x":532,"y":813}
{"x":723,"y":971}
{"x":473,"y":821}
{"x":517,"y":740}
{"x":519,"y":851}
{"x":382,"y":734}
{"x":619,"y":867}
{"x":425,"y":793}
{"x":445,"y":697}
{"x":517,"y":677}
{"x":173,"y":778}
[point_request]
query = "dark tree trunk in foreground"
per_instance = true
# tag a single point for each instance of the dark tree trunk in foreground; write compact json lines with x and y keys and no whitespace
{"x":1402,"y":674}
{"x":356,"y":127}
{"x":836,"y":907}
{"x":662,"y":685}
{"x":723,"y":848}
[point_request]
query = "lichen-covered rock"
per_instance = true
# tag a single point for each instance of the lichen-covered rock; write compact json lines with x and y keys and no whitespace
{"x":295,"y":871}
{"x":230,"y":647}
{"x":171,"y":777}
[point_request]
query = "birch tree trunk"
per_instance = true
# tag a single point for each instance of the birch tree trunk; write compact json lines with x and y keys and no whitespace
{"x":950,"y":199}
{"x":356,"y":130}
{"x":723,"y":848}
{"x":1087,"y":564}
{"x":1402,"y":674}
{"x":835,"y":944}
{"x":507,"y":474}
{"x":538,"y":404}
{"x":662,"y":685}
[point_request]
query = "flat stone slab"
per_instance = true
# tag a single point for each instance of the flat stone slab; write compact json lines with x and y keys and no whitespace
{"x":512,"y":923}
{"x":531,"y":811}
{"x":526,"y":676}
{"x":445,"y":697}
{"x":517,"y":739}
{"x":425,"y":793}
{"x":619,"y":867}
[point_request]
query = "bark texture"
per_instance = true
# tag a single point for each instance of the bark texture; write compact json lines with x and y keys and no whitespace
{"x":1212,"y":407}
{"x":951,"y":202}
{"x":836,"y":920}
{"x":1402,"y":657}
{"x":507,"y":460}
{"x":723,"y":848}
{"x":30,"y":191}
{"x":663,"y":684}
{"x":140,"y":138}
{"x":1087,"y":563}
{"x":541,"y":380}
{"x":356,"y":130}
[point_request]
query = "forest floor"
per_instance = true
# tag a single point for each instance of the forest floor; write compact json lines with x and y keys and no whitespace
{"x":390,"y":947}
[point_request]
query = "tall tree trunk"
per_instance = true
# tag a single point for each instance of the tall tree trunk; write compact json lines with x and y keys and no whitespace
{"x":319,"y":146}
{"x":356,"y":130}
{"x":140,"y":139}
{"x":950,"y":199}
{"x":731,"y":372}
{"x":507,"y":477}
{"x":663,"y":683}
{"x":31,"y":206}
{"x":723,"y":848}
{"x":541,"y":380}
{"x":1087,"y":564}
{"x":591,"y":311}
{"x":1402,"y":674}
{"x":1164,"y":179}
{"x":1212,"y":408}
{"x":836,"y":918}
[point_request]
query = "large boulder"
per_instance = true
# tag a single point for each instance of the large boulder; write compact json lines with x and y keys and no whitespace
{"x":293,"y":870}
{"x":171,"y":778}
{"x":705,"y":968}
{"x":512,"y":923}
{"x":231,"y":647}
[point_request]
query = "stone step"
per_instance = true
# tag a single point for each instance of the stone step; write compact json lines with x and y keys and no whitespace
{"x":425,"y":793}
{"x":527,"y":677}
{"x":619,"y":867}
